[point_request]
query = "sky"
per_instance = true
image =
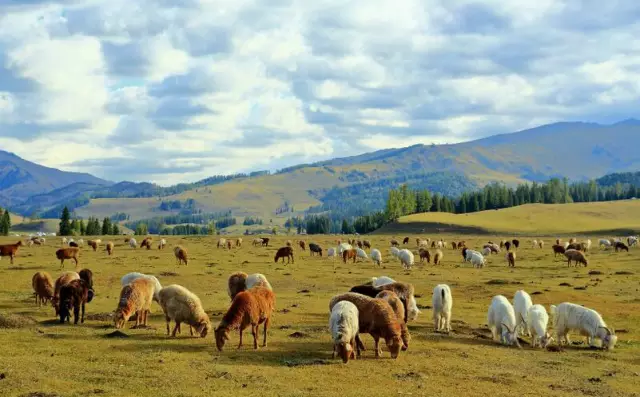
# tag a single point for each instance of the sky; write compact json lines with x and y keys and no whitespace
{"x":175,"y":91}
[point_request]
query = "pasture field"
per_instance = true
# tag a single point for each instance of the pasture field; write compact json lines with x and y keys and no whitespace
{"x":39,"y":357}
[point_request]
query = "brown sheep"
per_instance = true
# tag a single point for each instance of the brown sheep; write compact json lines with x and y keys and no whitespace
{"x":147,"y":242}
{"x":516,"y":243}
{"x":315,"y":249}
{"x":68,"y":253}
{"x":43,"y":287}
{"x":251,"y":307}
{"x":620,"y":246}
{"x":303,"y":245}
{"x":405,"y":240}
{"x":181,"y":255}
{"x":394,"y":243}
{"x":236,"y":284}
{"x":507,"y":246}
{"x":110,"y":248}
{"x":10,"y":250}
{"x":398,"y":308}
{"x":424,"y":254}
{"x":64,"y":279}
{"x":73,"y":295}
{"x":349,"y":254}
{"x":74,"y":244}
{"x":511,"y":258}
{"x":454,"y":245}
{"x":405,"y":292}
{"x":366,"y":244}
{"x":541,"y":244}
{"x":377,"y":318}
{"x":93,"y":244}
{"x":284,"y":252}
{"x":229,"y":244}
{"x":557,"y":249}
{"x":437,"y":257}
{"x":239,"y":242}
{"x":576,"y":256}
{"x":461,"y":245}
{"x":359,"y":244}
{"x":135,"y":297}
{"x":265,"y":241}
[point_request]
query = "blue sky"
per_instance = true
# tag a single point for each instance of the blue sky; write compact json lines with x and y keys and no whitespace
{"x":176,"y":91}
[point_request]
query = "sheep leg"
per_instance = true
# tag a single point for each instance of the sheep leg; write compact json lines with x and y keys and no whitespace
{"x":241,"y":331}
{"x":266,"y":325}
{"x":168,"y":321}
{"x":254,"y":332}
{"x":175,"y":329}
{"x":38,"y":301}
{"x":359,"y":343}
{"x":353,"y":344}
{"x":333,"y":356}
{"x":376,"y":341}
{"x":61,"y":263}
{"x":76,"y":314}
{"x":82,"y":320}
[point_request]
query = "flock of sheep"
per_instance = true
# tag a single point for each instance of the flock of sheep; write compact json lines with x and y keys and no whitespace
{"x":381,"y":307}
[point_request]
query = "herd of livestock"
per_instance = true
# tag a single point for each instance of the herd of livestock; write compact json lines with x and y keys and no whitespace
{"x":381,"y":307}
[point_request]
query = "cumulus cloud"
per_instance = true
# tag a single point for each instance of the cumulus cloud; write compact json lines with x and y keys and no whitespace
{"x":175,"y":91}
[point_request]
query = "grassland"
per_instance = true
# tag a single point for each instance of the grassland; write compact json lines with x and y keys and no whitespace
{"x":40,"y":356}
{"x":531,"y":219}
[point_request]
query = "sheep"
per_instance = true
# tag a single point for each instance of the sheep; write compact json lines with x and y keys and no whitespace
{"x":398,"y":308}
{"x":135,"y":297}
{"x":534,"y":244}
{"x":366,"y":244}
{"x":109,"y":248}
{"x":507,"y":246}
{"x":424,"y":254}
{"x":604,"y":243}
{"x":558,"y":249}
{"x":73,"y":295}
{"x":394,"y":251}
{"x":437,"y":257}
{"x":315,"y":249}
{"x":376,"y":257}
{"x":516,"y":243}
{"x":541,"y":244}
{"x":284,"y":252}
{"x":229,"y":244}
{"x":569,"y":316}
{"x":146,"y":243}
{"x":182,"y":306}
{"x":632,"y":241}
{"x":461,"y":244}
{"x":405,"y":292}
{"x":265,"y":241}
{"x":343,"y":325}
{"x":239,"y":242}
{"x":620,"y":246}
{"x":93,"y":244}
{"x":256,"y":241}
{"x":486,"y":251}
{"x":10,"y":250}
{"x":181,"y":255}
{"x":344,"y":247}
{"x":240,"y":281}
{"x":222,"y":242}
{"x":502,"y":321}
{"x":349,"y":254}
{"x":87,"y":276}
{"x":331,"y":252}
{"x":521,"y":304}
{"x":538,"y":320}
{"x":422,"y":243}
{"x":576,"y":256}
{"x":162,"y":244}
{"x":511,"y":258}
{"x":131,"y":277}
{"x":288,"y":243}
{"x":442,"y":302}
{"x":68,"y":253}
{"x":251,"y":307}
{"x":394,"y":243}
{"x":64,"y":279}
{"x":405,"y":241}
{"x":454,"y":245}
{"x":375,"y":317}
{"x":42,"y":287}
{"x":406,"y":259}
{"x":476,"y":258}
{"x":302,"y":245}
{"x":361,"y":253}
{"x":587,"y":245}
{"x":65,"y":241}
{"x":133,"y":243}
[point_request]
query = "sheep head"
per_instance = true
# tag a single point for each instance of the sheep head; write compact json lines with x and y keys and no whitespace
{"x":608,"y":337}
{"x":546,"y":340}
{"x":345,"y":351}
{"x":222,"y":336}
{"x":203,"y":328}
{"x":511,"y":335}
{"x":394,"y":344}
{"x":119,"y":320}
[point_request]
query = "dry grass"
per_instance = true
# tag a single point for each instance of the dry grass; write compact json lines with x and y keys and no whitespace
{"x":69,"y":360}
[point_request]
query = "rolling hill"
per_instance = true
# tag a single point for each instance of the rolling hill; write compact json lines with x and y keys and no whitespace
{"x":573,"y":149}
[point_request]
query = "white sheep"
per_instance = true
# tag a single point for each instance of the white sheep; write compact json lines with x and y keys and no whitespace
{"x":343,"y":324}
{"x":501,"y":319}
{"x":361,"y":254}
{"x":64,"y":241}
{"x":162,"y":244}
{"x":534,"y":244}
{"x":331,"y":253}
{"x":376,"y":256}
{"x":382,"y":280}
{"x":133,"y":243}
{"x":521,"y":304}
{"x":442,"y":303}
{"x":476,"y":258}
{"x":130,"y":277}
{"x":344,"y":247}
{"x":257,"y":279}
{"x":182,"y":306}
{"x":486,"y":251}
{"x":394,"y":251}
{"x":467,"y":257}
{"x":632,"y":241}
{"x":566,"y":245}
{"x":406,"y":259}
{"x":538,"y":321}
{"x":588,"y":244}
{"x":80,"y":243}
{"x":569,"y":316}
{"x":604,"y":243}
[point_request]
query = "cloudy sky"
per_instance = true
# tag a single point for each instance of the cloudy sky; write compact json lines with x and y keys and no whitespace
{"x":172,"y":91}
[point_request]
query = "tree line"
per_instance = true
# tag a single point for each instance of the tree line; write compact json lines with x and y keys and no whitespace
{"x":92,"y":227}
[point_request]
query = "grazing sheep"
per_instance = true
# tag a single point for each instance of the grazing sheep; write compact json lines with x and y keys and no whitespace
{"x":73,"y":296}
{"x":442,"y":302}
{"x":284,"y":252}
{"x":461,"y":244}
{"x":511,"y":258}
{"x":42,"y":287}
{"x":632,"y":241}
{"x":521,"y":304}
{"x":376,"y":257}
{"x":538,"y":320}
{"x":256,"y":241}
{"x":265,"y":241}
{"x":486,"y":251}
{"x":146,"y":243}
{"x":366,"y":244}
{"x":230,"y":244}
{"x":251,"y":307}
{"x":405,"y":240}
{"x":476,"y":258}
{"x":604,"y":243}
{"x":239,"y":242}
{"x":395,"y":243}
{"x":331,"y":252}
{"x":10,"y":250}
{"x":109,"y":248}
{"x":424,"y":254}
{"x":182,"y":306}
{"x":343,"y":325}
{"x":406,"y":259}
{"x":344,"y":247}
{"x":394,"y":251}
{"x":222,"y":242}
{"x":437,"y":257}
{"x":315,"y":249}
{"x":398,"y":308}
{"x":534,"y":244}
{"x":572,"y":240}
{"x":587,"y":245}
{"x":131,"y":277}
{"x":507,"y":245}
{"x":135,"y":297}
{"x":240,"y":281}
{"x":163,"y":243}
{"x":557,"y":249}
{"x":93,"y":244}
{"x":541,"y":244}
{"x":68,"y":253}
{"x":516,"y":243}
{"x":65,"y":241}
{"x":361,"y":253}
{"x":181,"y":255}
{"x":349,"y":254}
{"x":422,"y":243}
{"x":405,"y":292}
{"x":375,"y":317}
{"x":74,"y":244}
{"x":302,"y":245}
{"x":620,"y":246}
{"x":81,"y":243}
{"x":501,"y":319}
{"x":576,"y":256}
{"x":64,"y":279}
{"x":569,"y":316}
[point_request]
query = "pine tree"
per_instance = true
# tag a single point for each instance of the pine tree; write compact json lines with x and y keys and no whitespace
{"x":65,"y":223}
{"x":115,"y":230}
{"x":106,"y":226}
{"x":345,"y":227}
{"x":82,"y":228}
{"x":5,"y":223}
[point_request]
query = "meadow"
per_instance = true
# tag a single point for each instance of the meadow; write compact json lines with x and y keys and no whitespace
{"x":39,"y":357}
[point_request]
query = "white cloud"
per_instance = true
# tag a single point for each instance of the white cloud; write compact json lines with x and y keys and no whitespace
{"x":174,"y":91}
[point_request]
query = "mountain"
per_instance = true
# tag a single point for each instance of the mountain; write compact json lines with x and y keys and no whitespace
{"x":21,"y":179}
{"x":575,"y":150}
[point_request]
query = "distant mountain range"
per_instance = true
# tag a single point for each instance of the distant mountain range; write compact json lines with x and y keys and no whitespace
{"x":569,"y":149}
